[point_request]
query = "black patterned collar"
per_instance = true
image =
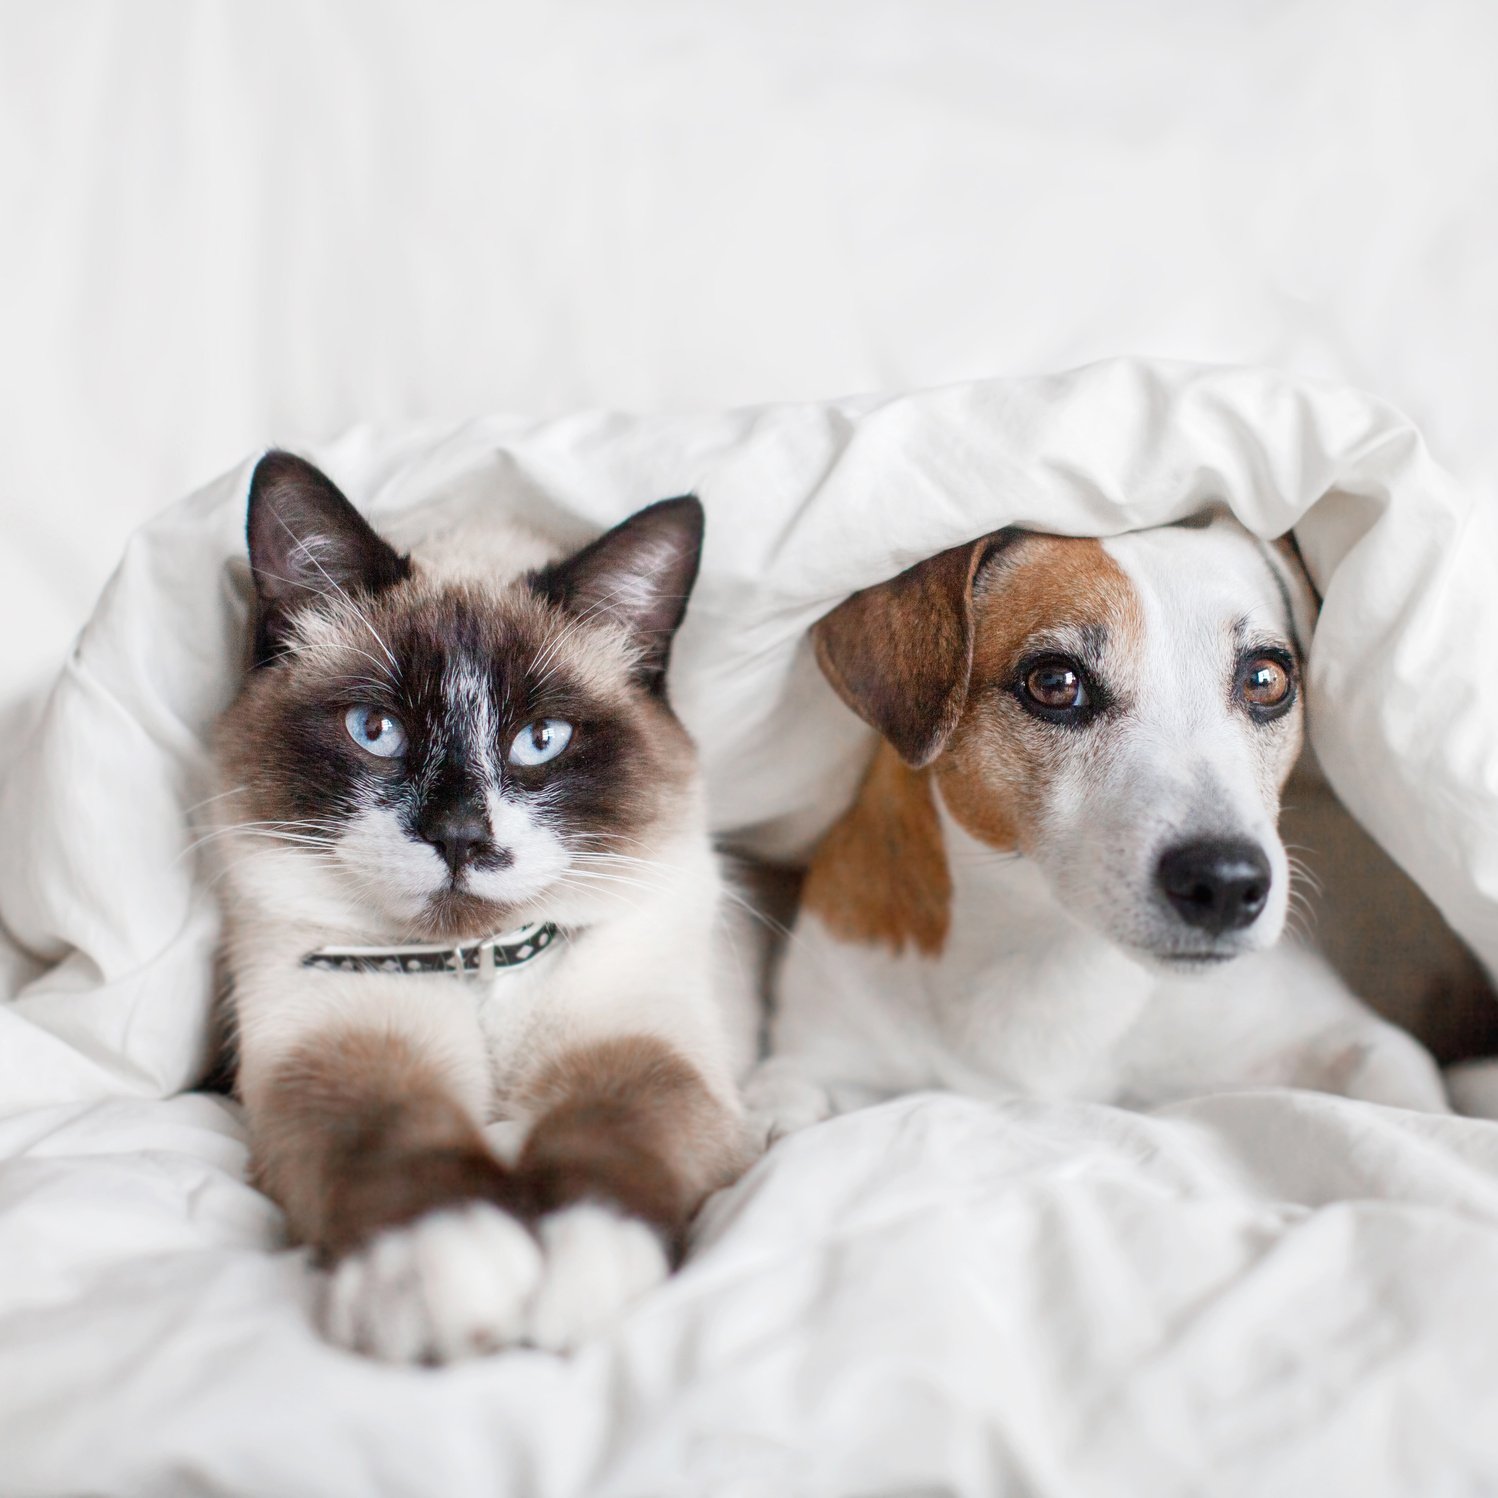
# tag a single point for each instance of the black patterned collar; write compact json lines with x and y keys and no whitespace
{"x":480,"y":959}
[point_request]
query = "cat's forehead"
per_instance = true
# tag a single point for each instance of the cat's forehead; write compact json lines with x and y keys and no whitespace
{"x":431,"y":636}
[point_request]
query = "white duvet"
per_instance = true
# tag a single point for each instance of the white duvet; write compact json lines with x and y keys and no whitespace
{"x":1261,"y":1292}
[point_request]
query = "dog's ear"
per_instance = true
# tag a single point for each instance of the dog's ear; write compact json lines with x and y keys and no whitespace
{"x":900,"y":653}
{"x":1300,"y":591}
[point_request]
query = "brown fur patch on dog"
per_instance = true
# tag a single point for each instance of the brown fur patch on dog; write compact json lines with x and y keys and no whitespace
{"x":899,"y":653}
{"x":999,"y":759}
{"x":880,"y":876}
{"x":357,"y":1131}
{"x":630,"y":1122}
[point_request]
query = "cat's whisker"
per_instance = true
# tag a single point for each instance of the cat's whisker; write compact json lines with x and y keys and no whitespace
{"x":603,"y":837}
{"x":564,"y":883}
{"x":595,"y":877}
{"x":607,"y":866}
{"x":729,"y":893}
{"x":734,"y":897}
{"x":274,"y":837}
{"x":310,"y":834}
{"x":389,"y":680}
{"x":300,"y":825}
{"x":237,"y":790}
{"x":301,"y":545}
{"x":375,"y":687}
{"x":227,"y":867}
{"x":542,"y":666}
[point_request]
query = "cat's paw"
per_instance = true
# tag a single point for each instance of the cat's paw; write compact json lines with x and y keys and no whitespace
{"x":453,"y":1284}
{"x":597,"y":1263}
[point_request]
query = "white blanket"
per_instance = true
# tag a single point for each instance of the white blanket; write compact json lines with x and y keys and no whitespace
{"x":1252,"y":1294}
{"x":1261,"y":1292}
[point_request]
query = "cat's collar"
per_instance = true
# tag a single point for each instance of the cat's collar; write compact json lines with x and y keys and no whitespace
{"x":478,"y":959}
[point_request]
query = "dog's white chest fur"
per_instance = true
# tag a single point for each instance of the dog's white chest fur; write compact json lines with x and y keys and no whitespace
{"x":1019,"y":1002}
{"x":1032,"y":1004}
{"x":1030,"y":999}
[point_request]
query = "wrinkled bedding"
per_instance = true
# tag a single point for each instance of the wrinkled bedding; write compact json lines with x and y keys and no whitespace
{"x":1243,"y":1294}
{"x":1255,"y":1292}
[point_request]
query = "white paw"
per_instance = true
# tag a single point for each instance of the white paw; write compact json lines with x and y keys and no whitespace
{"x":780,"y":1102}
{"x":1398,"y":1072}
{"x":597,"y":1263}
{"x":453,"y":1284}
{"x":1375,"y":1063}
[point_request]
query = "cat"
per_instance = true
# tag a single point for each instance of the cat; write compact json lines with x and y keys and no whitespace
{"x":467,"y":877}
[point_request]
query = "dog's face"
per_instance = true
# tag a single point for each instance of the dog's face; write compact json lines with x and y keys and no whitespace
{"x":1123,"y":713}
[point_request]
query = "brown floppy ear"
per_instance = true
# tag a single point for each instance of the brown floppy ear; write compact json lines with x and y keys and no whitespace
{"x":1301,"y":594}
{"x":900,"y":653}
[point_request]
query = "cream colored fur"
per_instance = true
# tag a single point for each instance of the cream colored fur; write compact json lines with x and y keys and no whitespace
{"x":648,"y":954}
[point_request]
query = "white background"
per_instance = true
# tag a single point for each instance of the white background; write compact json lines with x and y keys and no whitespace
{"x":223,"y":225}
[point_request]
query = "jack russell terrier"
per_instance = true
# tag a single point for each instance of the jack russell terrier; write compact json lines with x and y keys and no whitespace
{"x":1061,"y":876}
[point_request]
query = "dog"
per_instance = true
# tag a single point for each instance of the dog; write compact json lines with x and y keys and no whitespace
{"x":1062,"y":876}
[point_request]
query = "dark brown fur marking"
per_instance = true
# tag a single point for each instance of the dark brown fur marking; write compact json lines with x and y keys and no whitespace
{"x":356,"y":1132}
{"x":629,"y":1121}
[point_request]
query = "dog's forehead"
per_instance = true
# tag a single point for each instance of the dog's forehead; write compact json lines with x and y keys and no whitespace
{"x":1147,"y":595}
{"x":1218,"y":575}
{"x":1060,"y":588}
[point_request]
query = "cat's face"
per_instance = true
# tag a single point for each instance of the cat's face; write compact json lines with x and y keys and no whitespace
{"x":439,"y":759}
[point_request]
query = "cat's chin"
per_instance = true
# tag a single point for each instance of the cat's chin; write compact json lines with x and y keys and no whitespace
{"x":458,"y":915}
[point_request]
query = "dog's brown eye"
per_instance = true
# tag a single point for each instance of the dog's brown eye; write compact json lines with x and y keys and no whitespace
{"x":1056,"y":686}
{"x":1266,"y":683}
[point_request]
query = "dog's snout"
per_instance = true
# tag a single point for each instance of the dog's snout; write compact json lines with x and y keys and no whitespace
{"x":1216,"y":885}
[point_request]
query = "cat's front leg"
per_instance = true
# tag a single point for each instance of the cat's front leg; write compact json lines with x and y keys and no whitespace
{"x":627,"y":1140}
{"x":367,"y":1134}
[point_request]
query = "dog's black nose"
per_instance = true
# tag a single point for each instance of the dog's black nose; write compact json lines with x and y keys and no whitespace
{"x":1216,"y":885}
{"x":457,"y":834}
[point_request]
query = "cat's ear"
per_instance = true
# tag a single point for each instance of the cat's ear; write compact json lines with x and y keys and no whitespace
{"x":639,"y":574}
{"x":307,"y":542}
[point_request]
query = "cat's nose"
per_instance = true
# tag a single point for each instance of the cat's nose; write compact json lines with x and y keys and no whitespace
{"x":457,"y":833}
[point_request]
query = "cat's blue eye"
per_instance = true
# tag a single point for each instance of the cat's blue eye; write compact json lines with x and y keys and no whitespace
{"x":375,"y":731}
{"x":540,"y":741}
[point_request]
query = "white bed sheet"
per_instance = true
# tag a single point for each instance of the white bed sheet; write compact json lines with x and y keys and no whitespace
{"x":1247,"y":1294}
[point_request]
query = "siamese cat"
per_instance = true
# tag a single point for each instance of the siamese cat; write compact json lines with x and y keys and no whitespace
{"x":466,"y":880}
